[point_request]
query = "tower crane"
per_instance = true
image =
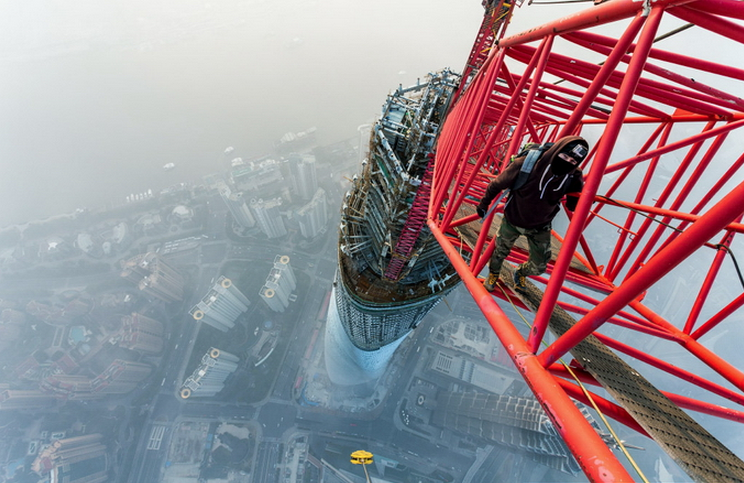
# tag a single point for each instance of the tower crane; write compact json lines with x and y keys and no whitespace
{"x":640,"y":310}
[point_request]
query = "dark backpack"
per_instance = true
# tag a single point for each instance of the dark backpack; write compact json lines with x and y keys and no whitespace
{"x":532,"y":151}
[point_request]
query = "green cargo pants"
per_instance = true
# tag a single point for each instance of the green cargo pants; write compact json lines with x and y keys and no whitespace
{"x":538,"y":240}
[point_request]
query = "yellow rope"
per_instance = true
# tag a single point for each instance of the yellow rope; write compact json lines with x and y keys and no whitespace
{"x":588,"y":395}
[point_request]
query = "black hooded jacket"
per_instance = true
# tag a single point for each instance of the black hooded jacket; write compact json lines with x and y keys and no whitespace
{"x":535,"y":204}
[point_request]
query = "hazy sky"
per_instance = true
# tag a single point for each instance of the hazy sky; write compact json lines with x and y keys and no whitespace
{"x":96,"y":96}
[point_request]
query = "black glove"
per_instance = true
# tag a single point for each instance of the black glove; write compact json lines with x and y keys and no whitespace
{"x":481,"y":210}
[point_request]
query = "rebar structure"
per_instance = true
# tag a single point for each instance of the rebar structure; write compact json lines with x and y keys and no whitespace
{"x":391,"y":271}
{"x":643,"y":297}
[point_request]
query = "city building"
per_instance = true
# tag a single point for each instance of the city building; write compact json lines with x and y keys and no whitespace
{"x":150,"y":224}
{"x":28,"y":367}
{"x":391,"y":271}
{"x":268,"y":217}
{"x":314,"y":215}
{"x":76,"y":387}
{"x":279,"y":285}
{"x":140,"y":333}
{"x":221,"y":306}
{"x":478,"y":374}
{"x":274,"y":301}
{"x":81,"y":459}
{"x":303,"y":175}
{"x":182,"y":214}
{"x":257,"y":176}
{"x":121,"y":237}
{"x":237,"y":206}
{"x":209,"y":378}
{"x":88,"y":245}
{"x":154,"y":277}
{"x":120,"y":377}
{"x":58,"y":314}
{"x":25,"y":399}
{"x":515,"y":422}
{"x":281,"y":263}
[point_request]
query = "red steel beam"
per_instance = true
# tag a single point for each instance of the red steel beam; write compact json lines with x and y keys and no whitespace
{"x":719,"y":317}
{"x":595,"y":458}
{"x":715,"y":220}
{"x":602,"y":157}
{"x":601,"y":14}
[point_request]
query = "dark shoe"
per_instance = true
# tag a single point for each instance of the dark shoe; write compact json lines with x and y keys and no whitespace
{"x":520,"y":282}
{"x":491,"y":280}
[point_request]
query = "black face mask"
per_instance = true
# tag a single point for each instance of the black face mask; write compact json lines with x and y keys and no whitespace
{"x":561,"y":166}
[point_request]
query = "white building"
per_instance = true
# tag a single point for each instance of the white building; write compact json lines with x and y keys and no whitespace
{"x":268,"y":217}
{"x":304,"y":175}
{"x":209,"y":378}
{"x":281,"y":262}
{"x":257,"y":175}
{"x":280,"y":283}
{"x":221,"y":306}
{"x":237,"y":206}
{"x":313,"y":217}
{"x":273,"y":300}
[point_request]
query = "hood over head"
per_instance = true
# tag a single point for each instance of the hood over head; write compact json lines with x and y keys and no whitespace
{"x":567,"y":154}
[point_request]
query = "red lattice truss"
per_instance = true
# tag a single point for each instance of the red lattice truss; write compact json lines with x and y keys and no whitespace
{"x":658,"y":226}
{"x":415,"y":221}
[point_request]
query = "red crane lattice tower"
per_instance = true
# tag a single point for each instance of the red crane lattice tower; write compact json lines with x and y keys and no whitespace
{"x":495,"y":18}
{"x":416,"y":220}
{"x":644,"y":294}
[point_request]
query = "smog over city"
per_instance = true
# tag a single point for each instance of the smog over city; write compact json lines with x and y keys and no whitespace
{"x":189,"y":289}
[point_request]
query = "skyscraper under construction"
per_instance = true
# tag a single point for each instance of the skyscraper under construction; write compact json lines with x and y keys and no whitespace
{"x":391,"y":272}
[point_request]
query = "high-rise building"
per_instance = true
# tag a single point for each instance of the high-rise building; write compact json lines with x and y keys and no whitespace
{"x":154,"y":276}
{"x":77,"y":387}
{"x":82,"y":459}
{"x":480,"y":375}
{"x":162,"y":287}
{"x":288,"y":280}
{"x":280,"y":283}
{"x":391,"y":271}
{"x":140,"y":333}
{"x":281,"y":262}
{"x":221,"y":306}
{"x":209,"y":378}
{"x":120,"y":377}
{"x":268,"y":217}
{"x":516,"y":422}
{"x":314,"y":215}
{"x":272,"y":299}
{"x":237,"y":206}
{"x":304,"y":175}
{"x":264,"y":175}
{"x":25,"y":399}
